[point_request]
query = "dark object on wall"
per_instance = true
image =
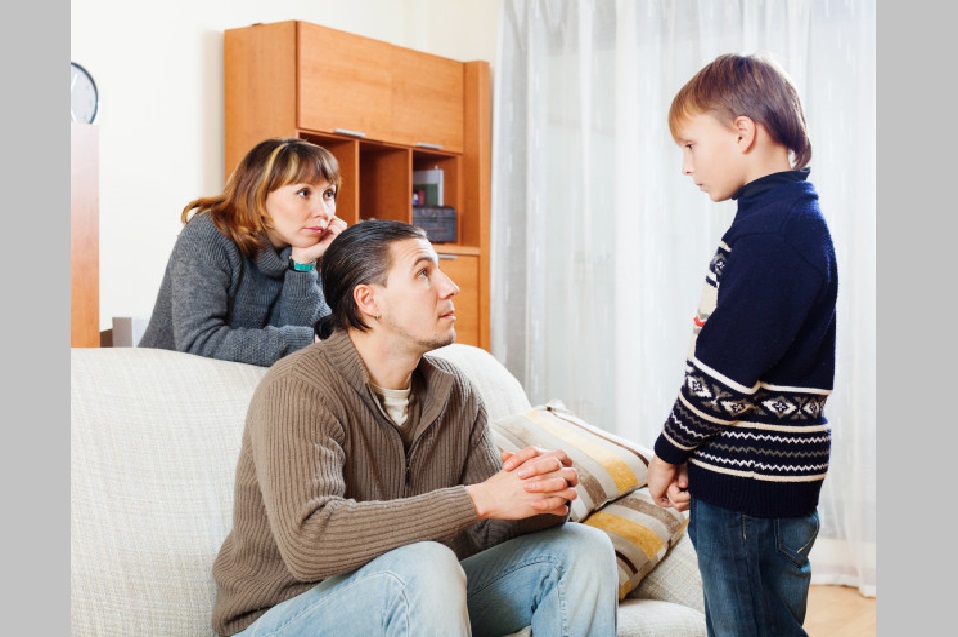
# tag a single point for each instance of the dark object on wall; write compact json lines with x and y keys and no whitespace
{"x":84,"y":95}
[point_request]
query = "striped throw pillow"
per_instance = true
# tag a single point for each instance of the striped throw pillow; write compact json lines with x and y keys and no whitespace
{"x":641,"y":531}
{"x":608,"y":466}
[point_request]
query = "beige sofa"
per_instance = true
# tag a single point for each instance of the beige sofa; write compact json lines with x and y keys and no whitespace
{"x":154,"y":441}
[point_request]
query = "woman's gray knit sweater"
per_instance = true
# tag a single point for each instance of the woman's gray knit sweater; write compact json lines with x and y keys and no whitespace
{"x":215,"y":302}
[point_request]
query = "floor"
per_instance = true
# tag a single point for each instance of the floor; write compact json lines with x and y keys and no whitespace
{"x":840,"y":611}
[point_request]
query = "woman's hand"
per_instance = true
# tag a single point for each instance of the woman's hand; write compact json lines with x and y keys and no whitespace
{"x":316,"y":252}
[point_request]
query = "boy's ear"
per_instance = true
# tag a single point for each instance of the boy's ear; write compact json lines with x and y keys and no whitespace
{"x":745,"y":128}
{"x":365,"y":297}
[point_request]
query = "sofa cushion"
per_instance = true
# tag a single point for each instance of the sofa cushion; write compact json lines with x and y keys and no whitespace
{"x":654,"y":618}
{"x":609,"y":466}
{"x":675,"y":579}
{"x":641,"y":531}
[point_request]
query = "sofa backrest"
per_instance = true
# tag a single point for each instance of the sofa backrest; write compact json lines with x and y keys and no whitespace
{"x":155,"y":436}
{"x":501,"y":392}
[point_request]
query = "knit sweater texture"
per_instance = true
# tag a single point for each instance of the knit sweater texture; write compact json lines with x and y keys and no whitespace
{"x":749,"y":418}
{"x":324,"y":483}
{"x":215,"y":302}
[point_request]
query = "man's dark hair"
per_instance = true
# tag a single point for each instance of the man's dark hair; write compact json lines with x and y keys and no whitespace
{"x":359,"y":255}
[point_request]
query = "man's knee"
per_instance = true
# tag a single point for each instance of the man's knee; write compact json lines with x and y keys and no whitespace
{"x":579,"y":540}
{"x":431,"y":567}
{"x":593,"y":547}
{"x":579,"y":549}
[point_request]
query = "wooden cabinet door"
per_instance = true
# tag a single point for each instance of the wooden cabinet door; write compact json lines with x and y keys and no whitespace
{"x":427,"y":94}
{"x":464,"y":271}
{"x":344,"y":82}
{"x":84,"y":236}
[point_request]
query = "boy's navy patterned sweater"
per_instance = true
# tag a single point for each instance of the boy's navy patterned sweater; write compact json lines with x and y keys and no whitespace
{"x":749,"y":417}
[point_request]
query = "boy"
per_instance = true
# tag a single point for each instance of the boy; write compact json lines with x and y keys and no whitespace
{"x":747,"y":436}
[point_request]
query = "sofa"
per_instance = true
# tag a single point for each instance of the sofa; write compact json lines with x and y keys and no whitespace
{"x":155,"y":436}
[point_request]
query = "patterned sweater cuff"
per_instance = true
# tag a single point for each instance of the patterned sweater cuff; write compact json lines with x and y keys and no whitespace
{"x":669,"y":452}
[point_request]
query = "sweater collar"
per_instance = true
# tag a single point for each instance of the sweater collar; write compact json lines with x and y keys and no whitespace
{"x":430,"y":384}
{"x":760,"y":185}
{"x":273,"y":262}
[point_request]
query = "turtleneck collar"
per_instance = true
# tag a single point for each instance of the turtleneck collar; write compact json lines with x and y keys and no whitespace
{"x":760,"y":185}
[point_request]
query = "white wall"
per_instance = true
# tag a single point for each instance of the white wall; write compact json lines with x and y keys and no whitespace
{"x":159,"y":69}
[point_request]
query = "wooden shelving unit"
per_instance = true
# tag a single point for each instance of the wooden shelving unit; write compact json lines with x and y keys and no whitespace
{"x":384,"y":111}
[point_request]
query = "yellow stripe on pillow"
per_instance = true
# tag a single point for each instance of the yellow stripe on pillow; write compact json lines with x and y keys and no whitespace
{"x":636,"y":533}
{"x":641,"y":533}
{"x":597,"y":449}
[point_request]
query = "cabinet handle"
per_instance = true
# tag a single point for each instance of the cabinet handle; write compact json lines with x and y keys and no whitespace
{"x":430,"y":146}
{"x":346,"y":131}
{"x":447,"y":256}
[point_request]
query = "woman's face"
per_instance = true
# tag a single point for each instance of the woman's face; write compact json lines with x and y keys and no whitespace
{"x":301,"y":214}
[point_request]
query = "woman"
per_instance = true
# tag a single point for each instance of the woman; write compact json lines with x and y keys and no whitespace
{"x":241,"y":283}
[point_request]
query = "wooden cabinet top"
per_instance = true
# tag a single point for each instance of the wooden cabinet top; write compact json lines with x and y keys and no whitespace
{"x":326,"y":80}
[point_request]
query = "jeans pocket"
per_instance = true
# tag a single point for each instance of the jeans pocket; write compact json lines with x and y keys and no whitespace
{"x":794,"y":537}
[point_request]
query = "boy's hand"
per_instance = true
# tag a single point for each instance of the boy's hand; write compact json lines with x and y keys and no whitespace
{"x":664,"y":483}
{"x":678,"y":492}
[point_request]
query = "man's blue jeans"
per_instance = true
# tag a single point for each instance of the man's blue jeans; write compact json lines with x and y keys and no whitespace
{"x":755,"y":571}
{"x":561,"y":581}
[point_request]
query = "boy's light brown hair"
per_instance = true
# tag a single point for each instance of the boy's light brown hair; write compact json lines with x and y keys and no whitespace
{"x":751,"y":85}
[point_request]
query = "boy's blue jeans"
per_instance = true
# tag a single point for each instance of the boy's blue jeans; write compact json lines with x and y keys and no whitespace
{"x":561,"y":581}
{"x":755,"y":571}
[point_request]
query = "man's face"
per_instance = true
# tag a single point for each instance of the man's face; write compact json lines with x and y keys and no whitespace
{"x":416,"y":303}
{"x":711,"y":156}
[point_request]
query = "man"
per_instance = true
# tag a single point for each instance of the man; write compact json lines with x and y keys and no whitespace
{"x":370,"y":499}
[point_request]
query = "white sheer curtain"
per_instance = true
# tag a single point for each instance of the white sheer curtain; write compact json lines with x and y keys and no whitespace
{"x":600,"y":245}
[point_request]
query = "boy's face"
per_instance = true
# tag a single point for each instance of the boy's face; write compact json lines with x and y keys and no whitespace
{"x":712,"y":156}
{"x":416,"y":302}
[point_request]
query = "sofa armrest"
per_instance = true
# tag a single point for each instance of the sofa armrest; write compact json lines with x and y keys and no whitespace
{"x":674,"y":579}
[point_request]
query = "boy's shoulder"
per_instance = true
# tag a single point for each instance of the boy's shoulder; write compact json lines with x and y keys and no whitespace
{"x":787,"y":214}
{"x":777,"y":206}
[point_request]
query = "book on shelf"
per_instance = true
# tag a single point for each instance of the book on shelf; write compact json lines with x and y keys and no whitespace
{"x":428,"y":186}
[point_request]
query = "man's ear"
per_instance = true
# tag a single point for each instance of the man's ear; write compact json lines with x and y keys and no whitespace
{"x":745,"y":128}
{"x":365,"y":297}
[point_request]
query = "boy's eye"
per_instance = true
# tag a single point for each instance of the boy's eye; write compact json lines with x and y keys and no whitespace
{"x":329,"y":193}
{"x":303,"y":192}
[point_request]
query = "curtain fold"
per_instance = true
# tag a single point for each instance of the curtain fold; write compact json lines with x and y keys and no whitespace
{"x":600,"y":246}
